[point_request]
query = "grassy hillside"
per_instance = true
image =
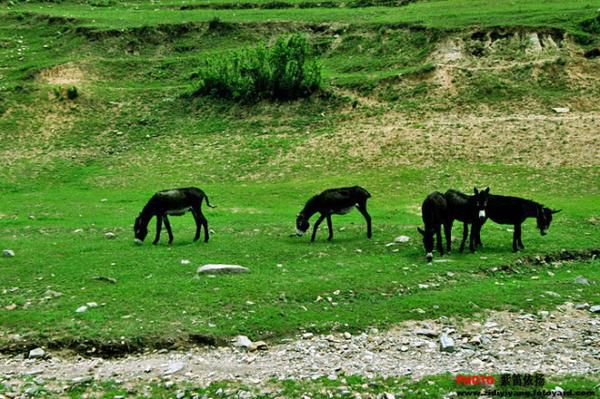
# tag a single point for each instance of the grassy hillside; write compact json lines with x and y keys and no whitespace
{"x":421,"y":97}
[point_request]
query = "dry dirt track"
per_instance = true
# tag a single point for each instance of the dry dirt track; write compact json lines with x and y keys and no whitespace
{"x":562,"y":341}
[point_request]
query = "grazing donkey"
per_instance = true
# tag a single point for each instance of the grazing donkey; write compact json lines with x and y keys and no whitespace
{"x":435,"y":214}
{"x":338,"y":201}
{"x":514,"y":210}
{"x":174,"y":202}
{"x":469,"y":209}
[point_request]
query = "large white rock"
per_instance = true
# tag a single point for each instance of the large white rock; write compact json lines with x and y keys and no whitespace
{"x":220,"y":269}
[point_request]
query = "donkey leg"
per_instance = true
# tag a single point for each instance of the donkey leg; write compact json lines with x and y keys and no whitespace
{"x":519,"y":242}
{"x":330,"y":228}
{"x":362,"y":208}
{"x":316,"y":226}
{"x":169,"y":231}
{"x":438,"y":237}
{"x":159,"y":220}
{"x":464,"y":237}
{"x":204,"y":222}
{"x":473,"y":237}
{"x":198,"y":223}
{"x":448,"y":234}
{"x":516,"y":234}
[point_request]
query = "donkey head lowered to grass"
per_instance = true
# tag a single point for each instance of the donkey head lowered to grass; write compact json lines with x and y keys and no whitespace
{"x":175,"y":202}
{"x":335,"y":201}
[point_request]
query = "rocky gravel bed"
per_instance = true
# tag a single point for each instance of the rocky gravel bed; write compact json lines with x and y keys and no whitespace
{"x":562,"y":341}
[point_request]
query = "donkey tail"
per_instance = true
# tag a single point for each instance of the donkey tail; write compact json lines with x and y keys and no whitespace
{"x":207,"y":203}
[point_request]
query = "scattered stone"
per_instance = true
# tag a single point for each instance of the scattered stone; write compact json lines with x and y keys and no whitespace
{"x":402,"y":239}
{"x":561,"y":110}
{"x":543,"y":314}
{"x":78,"y":231}
{"x":185,"y":261}
{"x":534,"y":42}
{"x":36,"y":353}
{"x":12,"y":306}
{"x":9,"y":253}
{"x":426,"y":333}
{"x":173,"y":367}
{"x":582,"y":306}
{"x":92,"y":305}
{"x":347,"y":335}
{"x":81,"y":309}
{"x":582,"y":280}
{"x":446,"y":343}
{"x":241,"y":341}
{"x":307,"y":335}
{"x":258,"y":346}
{"x":110,"y":235}
{"x":220,"y":269}
{"x":106,"y":279}
{"x":81,"y":380}
{"x":595,"y":309}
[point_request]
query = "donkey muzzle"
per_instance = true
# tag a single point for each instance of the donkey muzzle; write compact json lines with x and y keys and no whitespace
{"x":482,"y":214}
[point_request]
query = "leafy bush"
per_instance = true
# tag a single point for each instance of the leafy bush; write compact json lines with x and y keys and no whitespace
{"x":284,"y":71}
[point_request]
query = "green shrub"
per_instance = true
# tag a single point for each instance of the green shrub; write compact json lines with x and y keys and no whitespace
{"x":284,"y":71}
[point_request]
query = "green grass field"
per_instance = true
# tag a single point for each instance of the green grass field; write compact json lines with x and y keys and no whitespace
{"x":76,"y":169}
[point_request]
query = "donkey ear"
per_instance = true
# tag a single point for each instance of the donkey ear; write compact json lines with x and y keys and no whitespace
{"x":487,"y":190}
{"x":420,"y":230}
{"x":475,"y":190}
{"x":555,"y":211}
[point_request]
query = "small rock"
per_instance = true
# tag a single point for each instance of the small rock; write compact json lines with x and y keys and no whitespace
{"x":12,"y":306}
{"x":581,"y":280}
{"x":173,"y":367}
{"x":582,"y":306}
{"x":185,"y":261}
{"x":543,"y":314}
{"x":402,"y":239}
{"x":9,"y":253}
{"x":81,"y":309}
{"x":347,"y":335}
{"x":78,"y":231}
{"x":258,"y":346}
{"x":427,"y":333}
{"x":561,"y":110}
{"x":446,"y":343}
{"x":107,"y":279}
{"x":595,"y":309}
{"x":110,"y":235}
{"x":92,"y":305}
{"x":219,"y":269}
{"x":81,"y":380}
{"x":558,"y":392}
{"x":241,"y":341}
{"x":307,"y":335}
{"x":36,"y":353}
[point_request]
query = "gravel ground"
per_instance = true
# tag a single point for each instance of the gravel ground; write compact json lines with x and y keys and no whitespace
{"x":563,"y":341}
